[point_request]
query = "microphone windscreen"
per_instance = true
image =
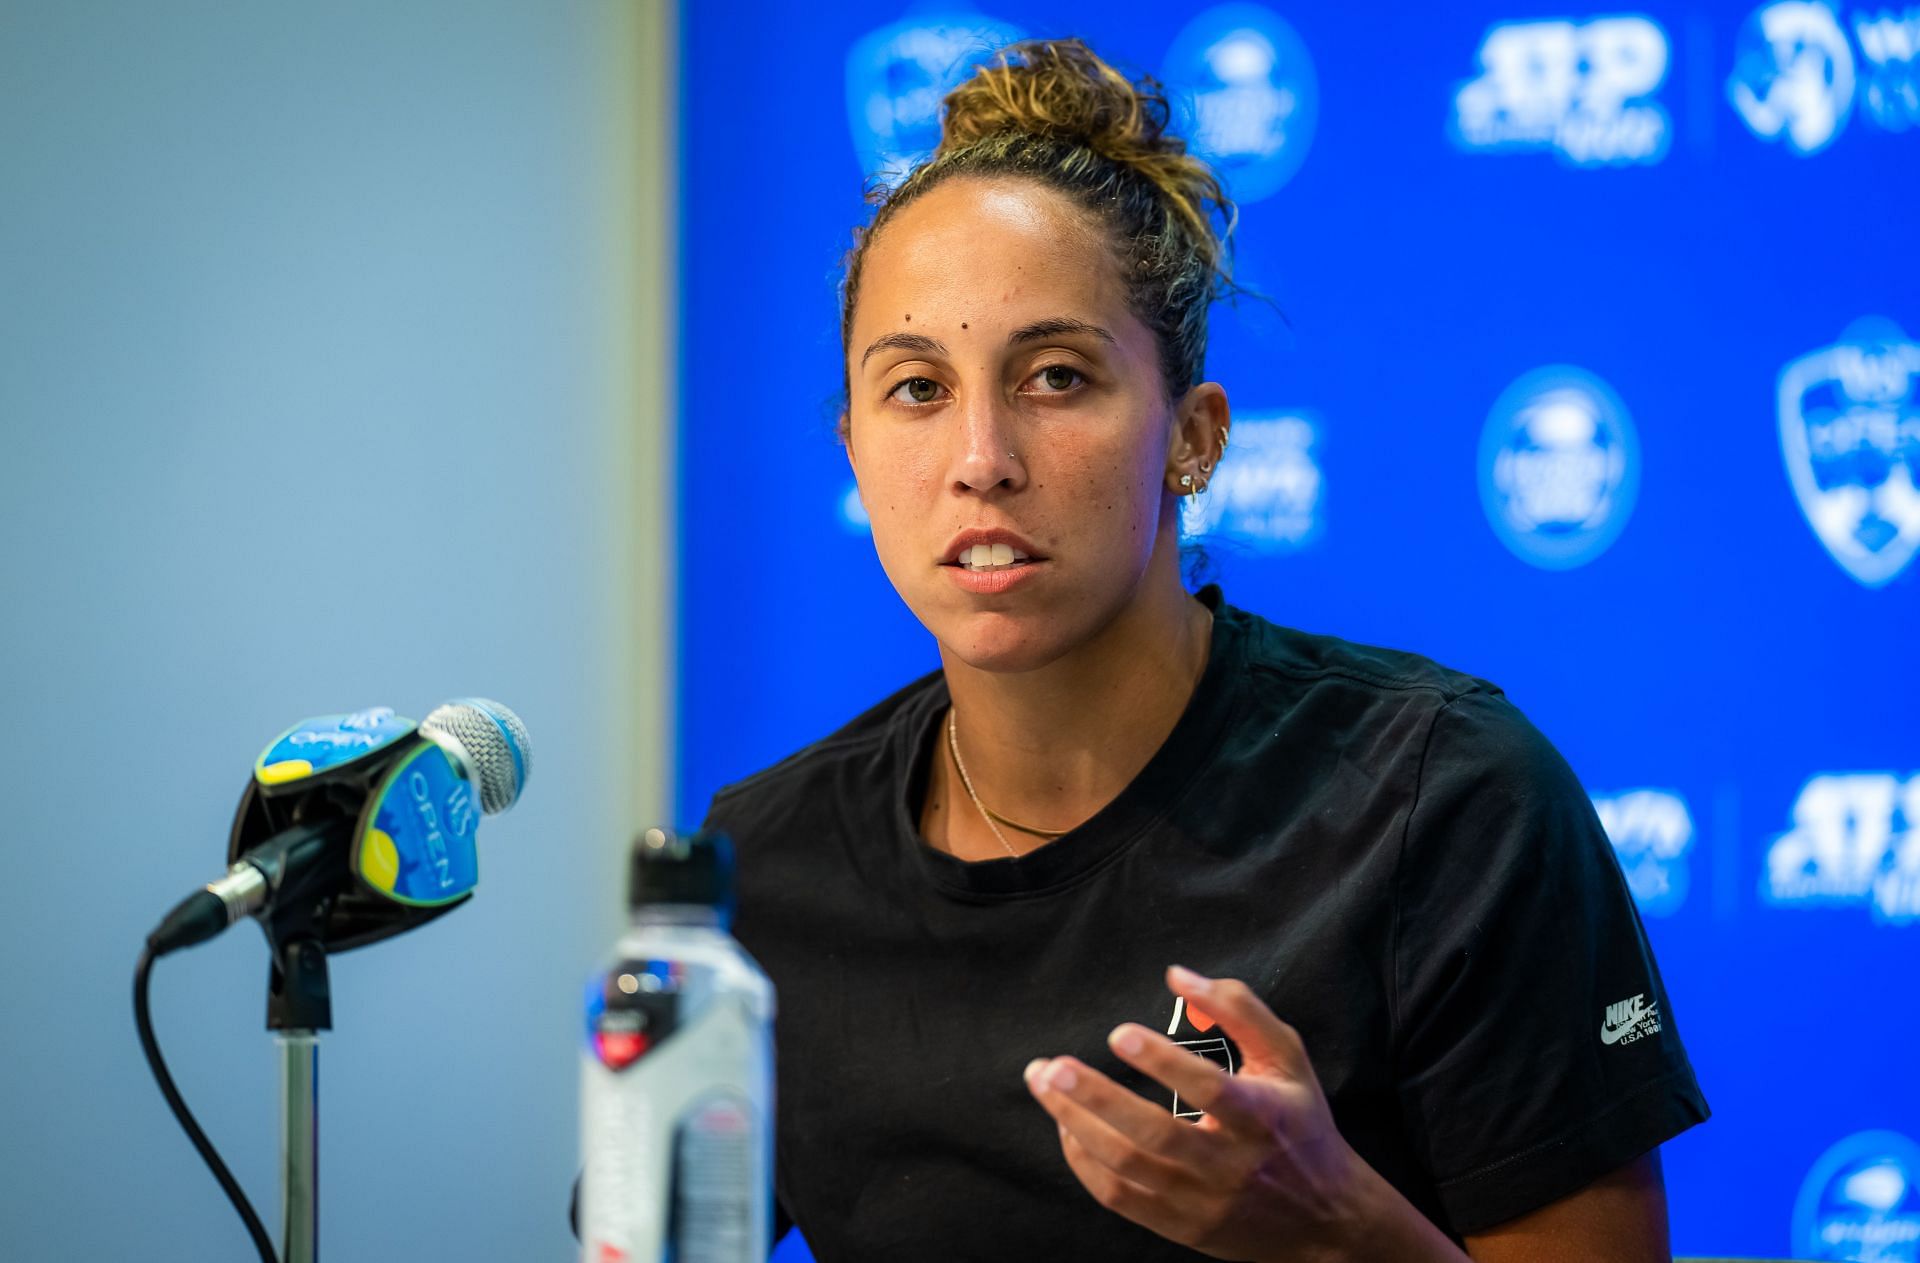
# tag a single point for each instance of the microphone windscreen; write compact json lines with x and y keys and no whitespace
{"x":493,"y":743}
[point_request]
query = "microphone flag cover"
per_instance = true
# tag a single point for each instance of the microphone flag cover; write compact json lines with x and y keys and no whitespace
{"x":314,"y":747}
{"x":414,"y":841}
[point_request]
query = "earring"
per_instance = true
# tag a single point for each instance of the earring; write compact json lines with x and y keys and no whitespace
{"x":1201,"y":489}
{"x":1206,"y":466}
{"x":1186,"y":480}
{"x":1223,"y":438}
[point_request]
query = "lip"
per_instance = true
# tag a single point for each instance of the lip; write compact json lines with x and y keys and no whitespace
{"x":967,"y":539}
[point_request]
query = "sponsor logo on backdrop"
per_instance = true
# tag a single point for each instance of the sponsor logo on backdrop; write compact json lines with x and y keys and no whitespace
{"x":1854,"y":840}
{"x":1850,"y":434}
{"x":898,"y":75}
{"x":1861,"y":1201}
{"x":1652,"y":834}
{"x":1247,"y":98}
{"x":1267,"y":493}
{"x":852,"y":513}
{"x":1797,"y":79}
{"x":1584,"y":91}
{"x":1559,"y":467}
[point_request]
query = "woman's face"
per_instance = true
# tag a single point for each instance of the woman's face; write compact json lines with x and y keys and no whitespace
{"x":1004,"y":400}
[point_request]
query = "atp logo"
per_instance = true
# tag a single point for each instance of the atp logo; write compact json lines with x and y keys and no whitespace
{"x":1855,"y":840}
{"x":1652,"y":833}
{"x":1796,"y":78}
{"x":1861,"y":1200}
{"x":1559,"y":467}
{"x":897,"y":77}
{"x":1584,"y":91}
{"x":1850,"y":435}
{"x":1244,"y":85}
{"x":1268,"y":493}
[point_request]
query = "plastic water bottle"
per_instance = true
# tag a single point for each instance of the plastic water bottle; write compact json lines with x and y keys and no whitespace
{"x":677,"y":1083}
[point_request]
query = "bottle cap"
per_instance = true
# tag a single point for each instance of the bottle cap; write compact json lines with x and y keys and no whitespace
{"x":692,"y":868}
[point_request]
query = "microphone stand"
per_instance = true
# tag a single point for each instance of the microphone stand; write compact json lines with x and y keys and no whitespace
{"x":299,"y":1007}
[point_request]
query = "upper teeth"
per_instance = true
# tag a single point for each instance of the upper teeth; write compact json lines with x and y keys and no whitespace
{"x":990,"y":555}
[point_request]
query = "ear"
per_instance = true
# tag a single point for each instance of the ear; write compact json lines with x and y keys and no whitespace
{"x":1198,"y":439}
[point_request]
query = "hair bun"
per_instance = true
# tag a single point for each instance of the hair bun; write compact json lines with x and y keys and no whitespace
{"x":1061,"y":90}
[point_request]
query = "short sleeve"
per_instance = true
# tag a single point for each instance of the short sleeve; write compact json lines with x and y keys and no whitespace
{"x":1536,"y":1049}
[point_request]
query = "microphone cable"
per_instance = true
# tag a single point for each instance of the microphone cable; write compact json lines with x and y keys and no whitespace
{"x":143,"y":1021}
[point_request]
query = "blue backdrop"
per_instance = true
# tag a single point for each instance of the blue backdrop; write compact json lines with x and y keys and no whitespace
{"x":1596,"y":377}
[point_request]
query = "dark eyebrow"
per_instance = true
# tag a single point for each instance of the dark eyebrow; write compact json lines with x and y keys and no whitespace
{"x":1040,"y":329}
{"x":905,"y":342}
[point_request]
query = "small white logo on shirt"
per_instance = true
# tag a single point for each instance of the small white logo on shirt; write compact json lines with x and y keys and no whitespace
{"x":1629,"y":1020}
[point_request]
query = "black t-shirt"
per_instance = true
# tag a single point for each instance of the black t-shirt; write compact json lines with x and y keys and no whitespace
{"x":1385,"y":850}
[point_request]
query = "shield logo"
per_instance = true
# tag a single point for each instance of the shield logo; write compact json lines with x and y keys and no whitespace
{"x":1850,"y":435}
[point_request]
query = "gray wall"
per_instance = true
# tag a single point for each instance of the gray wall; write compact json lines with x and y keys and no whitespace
{"x":329,"y":367}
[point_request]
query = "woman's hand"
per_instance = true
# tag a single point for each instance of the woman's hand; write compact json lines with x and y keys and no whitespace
{"x":1263,"y":1176}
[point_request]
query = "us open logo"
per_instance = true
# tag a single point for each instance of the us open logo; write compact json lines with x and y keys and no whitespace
{"x":1796,"y":79}
{"x":1855,"y":841}
{"x":1247,"y":97}
{"x":1585,"y":91}
{"x":1850,"y":435}
{"x":1861,"y":1200}
{"x":1559,"y":467}
{"x":898,"y":75}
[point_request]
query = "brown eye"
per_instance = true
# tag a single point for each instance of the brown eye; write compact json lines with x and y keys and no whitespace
{"x":919,"y":389}
{"x":1059,"y":377}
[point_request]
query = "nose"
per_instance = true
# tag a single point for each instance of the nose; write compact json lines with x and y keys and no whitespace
{"x":985,"y":445}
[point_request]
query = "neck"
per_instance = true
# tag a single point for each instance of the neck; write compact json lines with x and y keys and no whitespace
{"x":1051,"y":746}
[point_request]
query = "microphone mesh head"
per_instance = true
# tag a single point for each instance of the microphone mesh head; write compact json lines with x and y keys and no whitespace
{"x":494,"y":743}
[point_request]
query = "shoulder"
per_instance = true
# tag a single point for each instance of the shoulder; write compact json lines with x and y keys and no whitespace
{"x":1287,"y":664}
{"x":1450,"y":729}
{"x":864,"y":749}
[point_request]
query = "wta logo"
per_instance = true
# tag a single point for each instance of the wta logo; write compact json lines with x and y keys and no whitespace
{"x":1861,"y":1200}
{"x":1559,"y":467}
{"x":1855,"y":840}
{"x":1796,"y":78}
{"x":1850,"y":435}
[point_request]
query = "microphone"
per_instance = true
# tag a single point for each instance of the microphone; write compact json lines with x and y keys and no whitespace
{"x":361,"y":826}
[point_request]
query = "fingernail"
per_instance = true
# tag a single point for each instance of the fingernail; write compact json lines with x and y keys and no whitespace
{"x":1125,"y":1040}
{"x":1191,"y":981}
{"x":1033,"y":1068}
{"x":1061,"y":1078}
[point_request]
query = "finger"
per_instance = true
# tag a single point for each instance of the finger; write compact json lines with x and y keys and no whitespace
{"x":1138,"y":1141}
{"x":1114,"y":1191}
{"x":1267,"y":1042}
{"x":1199,"y":1083}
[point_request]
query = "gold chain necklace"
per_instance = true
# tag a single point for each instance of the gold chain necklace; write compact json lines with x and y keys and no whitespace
{"x":993,"y":818}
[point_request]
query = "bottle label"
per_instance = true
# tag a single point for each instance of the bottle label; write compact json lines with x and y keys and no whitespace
{"x":713,"y":1182}
{"x":634,"y":1008}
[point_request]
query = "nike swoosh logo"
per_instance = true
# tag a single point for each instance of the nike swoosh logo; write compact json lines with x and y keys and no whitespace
{"x":1612,"y":1034}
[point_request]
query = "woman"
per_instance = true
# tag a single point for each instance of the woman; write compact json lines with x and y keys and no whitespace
{"x":1420,"y":1014}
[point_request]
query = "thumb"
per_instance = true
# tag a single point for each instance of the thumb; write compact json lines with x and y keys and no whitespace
{"x":1268,"y":1044}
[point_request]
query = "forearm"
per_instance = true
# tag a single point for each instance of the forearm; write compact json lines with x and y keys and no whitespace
{"x":1375,"y":1223}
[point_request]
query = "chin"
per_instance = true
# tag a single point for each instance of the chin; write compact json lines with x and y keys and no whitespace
{"x":1004,"y":641}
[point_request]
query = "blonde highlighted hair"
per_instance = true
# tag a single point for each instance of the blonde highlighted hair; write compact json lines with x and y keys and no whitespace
{"x":1053,"y":112}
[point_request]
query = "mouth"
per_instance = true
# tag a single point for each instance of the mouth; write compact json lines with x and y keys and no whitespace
{"x":988,"y":558}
